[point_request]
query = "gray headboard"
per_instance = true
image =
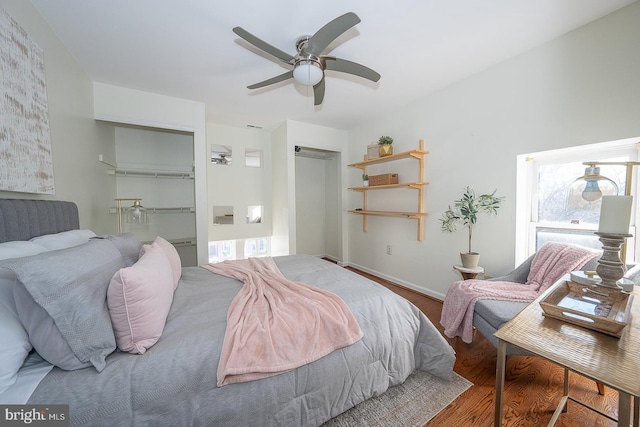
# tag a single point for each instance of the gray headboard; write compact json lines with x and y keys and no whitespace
{"x":25,"y":219}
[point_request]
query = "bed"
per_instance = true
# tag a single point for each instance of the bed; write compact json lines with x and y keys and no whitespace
{"x":174,"y":381}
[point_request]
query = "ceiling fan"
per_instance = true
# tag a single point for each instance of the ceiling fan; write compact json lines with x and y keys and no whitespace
{"x":309,"y":64}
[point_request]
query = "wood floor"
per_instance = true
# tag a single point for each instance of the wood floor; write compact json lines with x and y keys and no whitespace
{"x":532,"y":390}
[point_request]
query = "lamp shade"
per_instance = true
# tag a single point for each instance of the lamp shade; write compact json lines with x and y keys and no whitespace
{"x":589,"y":188}
{"x":136,"y":214}
{"x":308,"y":73}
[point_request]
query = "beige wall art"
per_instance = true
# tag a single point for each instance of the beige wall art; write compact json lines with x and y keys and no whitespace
{"x":26,"y":163}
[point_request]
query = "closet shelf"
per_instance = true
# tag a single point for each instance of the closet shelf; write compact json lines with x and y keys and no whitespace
{"x":416,"y":185}
{"x":150,"y":210}
{"x":151,"y":174}
{"x":187,"y":241}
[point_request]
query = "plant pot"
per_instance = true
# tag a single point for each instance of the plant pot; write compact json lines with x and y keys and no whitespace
{"x":469,"y":259}
{"x":365,"y":183}
{"x":385,"y":150}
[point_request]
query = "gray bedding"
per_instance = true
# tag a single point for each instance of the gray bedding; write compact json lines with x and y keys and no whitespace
{"x":174,"y":382}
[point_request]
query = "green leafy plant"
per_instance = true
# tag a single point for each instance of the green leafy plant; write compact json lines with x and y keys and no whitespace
{"x":385,"y":140}
{"x":365,"y":177}
{"x":466,"y":209}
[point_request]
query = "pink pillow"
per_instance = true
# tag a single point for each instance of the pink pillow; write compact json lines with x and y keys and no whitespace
{"x":139,"y":298}
{"x":172,"y":256}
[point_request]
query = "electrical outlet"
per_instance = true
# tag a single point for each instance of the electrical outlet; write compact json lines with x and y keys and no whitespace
{"x":388,"y":249}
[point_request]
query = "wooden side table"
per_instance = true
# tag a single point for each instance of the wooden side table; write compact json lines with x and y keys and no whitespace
{"x":607,"y":360}
{"x":468,"y":272}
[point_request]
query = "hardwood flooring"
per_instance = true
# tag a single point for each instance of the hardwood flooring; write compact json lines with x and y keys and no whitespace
{"x":532,"y":390}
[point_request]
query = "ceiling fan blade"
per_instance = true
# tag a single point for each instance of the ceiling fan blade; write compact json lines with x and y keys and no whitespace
{"x":344,"y":66}
{"x":318,"y":92}
{"x":272,"y":80}
{"x":262,"y":45}
{"x":331,"y":31}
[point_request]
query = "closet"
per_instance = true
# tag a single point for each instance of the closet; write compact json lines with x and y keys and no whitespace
{"x":157,"y":166}
{"x":317,"y":193}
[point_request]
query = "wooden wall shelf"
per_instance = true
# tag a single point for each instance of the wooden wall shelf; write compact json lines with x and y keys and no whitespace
{"x":419,"y":186}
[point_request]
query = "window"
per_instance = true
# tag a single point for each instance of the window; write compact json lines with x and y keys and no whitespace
{"x":256,"y":247}
{"x":542,"y":214}
{"x":222,"y":250}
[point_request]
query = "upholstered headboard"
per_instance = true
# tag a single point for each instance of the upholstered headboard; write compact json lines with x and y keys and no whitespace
{"x":26,"y":219}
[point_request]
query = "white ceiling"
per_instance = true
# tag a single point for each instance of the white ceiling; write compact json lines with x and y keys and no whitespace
{"x":186,"y":49}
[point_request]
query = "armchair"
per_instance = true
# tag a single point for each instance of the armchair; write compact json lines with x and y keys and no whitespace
{"x":490,"y":315}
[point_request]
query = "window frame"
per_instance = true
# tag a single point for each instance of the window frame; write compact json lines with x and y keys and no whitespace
{"x":527,"y":192}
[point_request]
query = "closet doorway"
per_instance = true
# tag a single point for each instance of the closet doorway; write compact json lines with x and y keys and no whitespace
{"x":318,"y":207}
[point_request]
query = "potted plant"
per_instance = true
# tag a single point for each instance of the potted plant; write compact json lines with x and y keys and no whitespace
{"x":365,"y":180}
{"x":465,"y":211}
{"x":384,"y":146}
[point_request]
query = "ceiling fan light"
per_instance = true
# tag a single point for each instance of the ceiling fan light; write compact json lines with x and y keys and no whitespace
{"x":308,"y":73}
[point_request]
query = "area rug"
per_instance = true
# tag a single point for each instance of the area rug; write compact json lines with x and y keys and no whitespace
{"x":411,"y":404}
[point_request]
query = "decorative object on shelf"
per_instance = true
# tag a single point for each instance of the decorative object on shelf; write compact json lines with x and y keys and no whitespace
{"x":384,"y":146}
{"x":372,"y":151}
{"x":384,"y":179}
{"x":465,"y":211}
{"x":365,"y":180}
{"x":135,"y":214}
{"x":613,"y":229}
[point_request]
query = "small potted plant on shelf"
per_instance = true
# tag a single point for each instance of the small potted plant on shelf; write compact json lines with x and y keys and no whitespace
{"x":465,"y":211}
{"x":384,"y":146}
{"x":365,"y":180}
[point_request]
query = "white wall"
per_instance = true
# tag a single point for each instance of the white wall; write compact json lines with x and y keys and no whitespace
{"x":121,"y":105}
{"x":237,"y":185}
{"x":282,"y":164}
{"x":579,"y":89}
{"x":76,"y":138}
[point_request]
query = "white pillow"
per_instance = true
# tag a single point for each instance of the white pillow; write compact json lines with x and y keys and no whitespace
{"x":15,"y":341}
{"x":64,"y":239}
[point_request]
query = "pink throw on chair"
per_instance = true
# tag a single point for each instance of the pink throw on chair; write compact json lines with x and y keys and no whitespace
{"x":275,"y":324}
{"x":550,"y":263}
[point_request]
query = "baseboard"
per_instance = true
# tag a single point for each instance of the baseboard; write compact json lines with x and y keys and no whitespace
{"x":404,"y":283}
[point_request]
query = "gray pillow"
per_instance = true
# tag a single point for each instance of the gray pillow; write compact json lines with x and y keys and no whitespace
{"x":128,"y":245}
{"x":71,"y":286}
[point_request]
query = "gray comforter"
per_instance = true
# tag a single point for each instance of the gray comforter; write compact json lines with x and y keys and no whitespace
{"x":174,"y":382}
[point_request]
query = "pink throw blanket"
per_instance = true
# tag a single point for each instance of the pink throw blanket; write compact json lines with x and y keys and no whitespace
{"x":550,"y":263}
{"x":275,"y":324}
